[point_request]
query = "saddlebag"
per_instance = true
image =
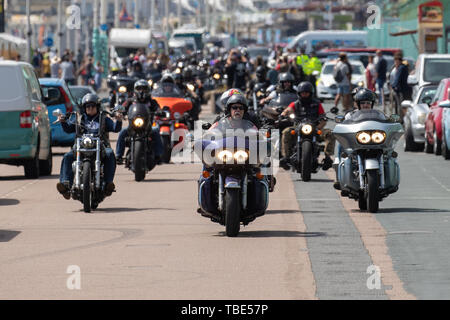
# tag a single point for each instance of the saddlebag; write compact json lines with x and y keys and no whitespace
{"x":207,"y":195}
{"x":258,"y":197}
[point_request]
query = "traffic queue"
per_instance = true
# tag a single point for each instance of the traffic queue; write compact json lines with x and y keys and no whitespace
{"x":259,"y":96}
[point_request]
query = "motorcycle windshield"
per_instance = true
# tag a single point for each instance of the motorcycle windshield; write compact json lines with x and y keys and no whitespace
{"x":166,"y":89}
{"x":138,"y":110}
{"x":365,"y":115}
{"x":283,"y":99}
{"x":231,"y":135}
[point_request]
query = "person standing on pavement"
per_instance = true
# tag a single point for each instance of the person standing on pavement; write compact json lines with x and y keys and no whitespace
{"x":312,"y":65}
{"x":370,"y":74}
{"x":400,"y":83}
{"x":67,"y":70}
{"x":342,"y":77}
{"x":380,"y":77}
{"x":55,"y":67}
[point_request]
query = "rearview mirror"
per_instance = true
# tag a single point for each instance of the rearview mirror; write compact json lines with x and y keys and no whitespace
{"x":412,"y":80}
{"x":57,"y":112}
{"x":339,"y":119}
{"x":406,"y":104}
{"x":334,"y":110}
{"x":206,"y":126}
{"x":395,"y":118}
{"x":444,"y":104}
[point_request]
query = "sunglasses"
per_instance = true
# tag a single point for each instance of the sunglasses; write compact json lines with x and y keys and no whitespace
{"x":91,"y":106}
{"x":237,"y":107}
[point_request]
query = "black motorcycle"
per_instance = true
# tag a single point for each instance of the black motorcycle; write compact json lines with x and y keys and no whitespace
{"x":307,"y":149}
{"x":140,"y":157}
{"x":121,"y":88}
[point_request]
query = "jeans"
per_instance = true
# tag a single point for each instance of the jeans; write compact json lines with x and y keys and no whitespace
{"x":157,"y":144}
{"x":109,"y":162}
{"x":380,"y":84}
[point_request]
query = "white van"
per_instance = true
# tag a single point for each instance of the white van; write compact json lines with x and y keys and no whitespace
{"x":25,"y":136}
{"x":326,"y":39}
{"x":124,"y":41}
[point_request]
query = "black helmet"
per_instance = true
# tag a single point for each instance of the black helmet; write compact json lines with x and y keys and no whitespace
{"x":260,"y":72}
{"x":234,"y":99}
{"x":305,"y":86}
{"x":142,"y":90}
{"x":286,"y":77}
{"x":90,"y":99}
{"x":364,"y":94}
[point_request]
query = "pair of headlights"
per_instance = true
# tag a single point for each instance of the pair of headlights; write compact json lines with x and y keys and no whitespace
{"x":226,"y":156}
{"x":373,"y":137}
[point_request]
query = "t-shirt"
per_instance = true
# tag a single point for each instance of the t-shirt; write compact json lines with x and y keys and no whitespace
{"x":67,"y":71}
{"x":381,"y":67}
{"x":345,"y":71}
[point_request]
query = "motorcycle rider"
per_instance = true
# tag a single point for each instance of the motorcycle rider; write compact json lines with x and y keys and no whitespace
{"x":306,"y":107}
{"x":141,"y":95}
{"x":285,"y":85}
{"x":90,"y":117}
{"x":137,"y":70}
{"x":261,"y":79}
{"x":224,"y":101}
{"x":364,"y":100}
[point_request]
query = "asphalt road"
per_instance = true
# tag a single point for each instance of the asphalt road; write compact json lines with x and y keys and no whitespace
{"x":148,"y":242}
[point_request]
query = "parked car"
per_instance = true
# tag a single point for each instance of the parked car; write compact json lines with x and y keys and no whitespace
{"x":433,"y":121}
{"x":64,"y":101}
{"x":415,"y":112}
{"x":445,"y":148}
{"x":78,"y":92}
{"x":326,"y":85}
{"x":429,"y":69}
{"x":25,"y":135}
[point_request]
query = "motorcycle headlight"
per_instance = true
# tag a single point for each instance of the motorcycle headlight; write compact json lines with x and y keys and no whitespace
{"x":150,"y":82}
{"x":360,"y":84}
{"x":240,"y":156}
{"x":421,"y":118}
{"x":292,"y":116}
{"x":225,"y":156}
{"x":138,"y":122}
{"x":122,"y":89}
{"x":378,"y":137}
{"x":216,"y":76}
{"x":177,"y":70}
{"x":88,"y":143}
{"x":307,"y":129}
{"x":190,"y":87}
{"x":259,"y":94}
{"x":363,"y":137}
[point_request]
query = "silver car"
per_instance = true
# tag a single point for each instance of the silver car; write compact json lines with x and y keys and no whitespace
{"x":414,"y":120}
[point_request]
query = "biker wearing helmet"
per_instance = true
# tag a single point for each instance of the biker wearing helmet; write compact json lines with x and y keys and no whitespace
{"x":285,"y":85}
{"x":137,"y":71}
{"x":261,"y":80}
{"x":141,"y":95}
{"x":226,"y":96}
{"x":90,"y":120}
{"x":311,"y":108}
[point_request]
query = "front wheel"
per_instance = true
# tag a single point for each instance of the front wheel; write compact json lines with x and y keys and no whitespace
{"x":232,"y":212}
{"x":139,"y":161}
{"x":87,"y":187}
{"x":444,"y":148}
{"x":362,"y":203}
{"x":167,"y":148}
{"x":372,"y":190}
{"x":306,"y":160}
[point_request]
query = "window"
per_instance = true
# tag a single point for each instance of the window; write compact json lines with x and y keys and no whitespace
{"x":436,"y":69}
{"x":32,"y":83}
{"x":438,"y":92}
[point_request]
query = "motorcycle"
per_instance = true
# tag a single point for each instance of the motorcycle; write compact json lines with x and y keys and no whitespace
{"x":367,"y":168}
{"x":140,"y":157}
{"x":307,"y":149}
{"x":121,"y":87}
{"x":88,"y":167}
{"x":231,"y":189}
{"x":175,"y":115}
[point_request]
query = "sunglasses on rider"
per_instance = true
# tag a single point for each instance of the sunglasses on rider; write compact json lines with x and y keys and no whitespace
{"x":237,"y":107}
{"x":91,"y":106}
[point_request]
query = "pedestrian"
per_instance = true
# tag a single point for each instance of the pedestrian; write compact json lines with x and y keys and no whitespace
{"x":67,"y":70}
{"x":46,"y":66}
{"x":381,"y":69}
{"x":370,"y":74}
{"x":98,"y":76}
{"x":272,"y":74}
{"x":400,"y":82}
{"x":342,"y":76}
{"x":55,"y":69}
{"x":312,"y":65}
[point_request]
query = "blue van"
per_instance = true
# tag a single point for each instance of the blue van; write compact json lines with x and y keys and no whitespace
{"x":25,"y":138}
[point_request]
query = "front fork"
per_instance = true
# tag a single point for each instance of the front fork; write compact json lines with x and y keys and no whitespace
{"x":369,"y":164}
{"x":233,"y":183}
